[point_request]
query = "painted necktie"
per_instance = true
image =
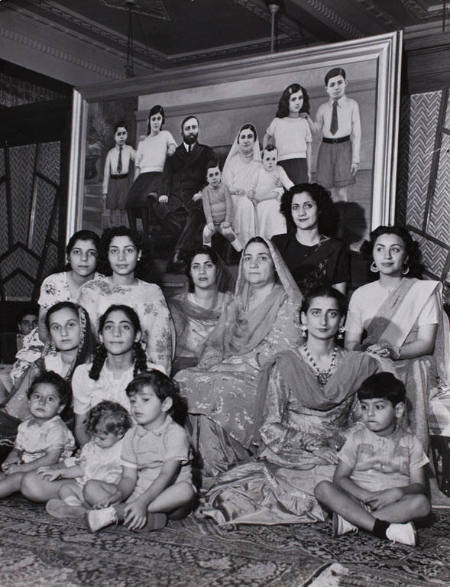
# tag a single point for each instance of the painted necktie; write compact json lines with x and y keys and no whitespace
{"x":119,"y":161}
{"x":334,"y":119}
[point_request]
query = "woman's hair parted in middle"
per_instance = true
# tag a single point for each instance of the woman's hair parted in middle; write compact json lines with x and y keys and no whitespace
{"x":140,"y":358}
{"x":163,"y":387}
{"x":324,"y":291}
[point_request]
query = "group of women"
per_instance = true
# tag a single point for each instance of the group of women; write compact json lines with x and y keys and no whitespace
{"x":270,"y":391}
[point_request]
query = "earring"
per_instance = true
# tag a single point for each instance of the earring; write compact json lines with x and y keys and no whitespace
{"x":373,"y":267}
{"x":304,"y":330}
{"x":405,"y":270}
{"x":341,"y":331}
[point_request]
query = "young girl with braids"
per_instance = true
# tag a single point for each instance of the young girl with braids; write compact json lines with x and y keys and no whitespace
{"x":118,"y":359}
{"x":123,"y":249}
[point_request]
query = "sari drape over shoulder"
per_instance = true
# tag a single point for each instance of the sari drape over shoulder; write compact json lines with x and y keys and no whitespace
{"x":193,"y":324}
{"x":223,"y":387}
{"x":294,"y":412}
{"x":396,"y":322}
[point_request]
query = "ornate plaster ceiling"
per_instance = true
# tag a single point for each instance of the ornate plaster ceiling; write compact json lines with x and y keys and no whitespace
{"x":168,"y":33}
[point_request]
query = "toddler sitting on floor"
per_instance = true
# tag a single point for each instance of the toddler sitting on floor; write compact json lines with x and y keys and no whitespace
{"x":92,"y":480}
{"x":42,"y":439}
{"x":156,"y":482}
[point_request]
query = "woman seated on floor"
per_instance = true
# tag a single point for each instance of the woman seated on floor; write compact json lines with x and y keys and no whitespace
{"x":71,"y":345}
{"x":196,"y":312}
{"x":396,"y":319}
{"x":306,"y":401}
{"x":308,"y":249}
{"x":222,"y":390}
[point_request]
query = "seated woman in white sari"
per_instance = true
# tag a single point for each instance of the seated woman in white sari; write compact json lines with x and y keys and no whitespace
{"x":221,"y":391}
{"x":399,"y":319}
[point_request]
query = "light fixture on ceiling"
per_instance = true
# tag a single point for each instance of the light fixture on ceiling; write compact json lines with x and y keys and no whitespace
{"x":129,"y":67}
{"x":274,"y":7}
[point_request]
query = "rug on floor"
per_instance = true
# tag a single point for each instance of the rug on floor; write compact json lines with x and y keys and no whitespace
{"x":37,"y":550}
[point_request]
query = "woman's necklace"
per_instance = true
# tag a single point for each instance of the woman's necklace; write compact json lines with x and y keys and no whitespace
{"x":322,"y":375}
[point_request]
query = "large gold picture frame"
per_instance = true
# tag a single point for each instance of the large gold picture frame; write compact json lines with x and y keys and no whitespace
{"x":225,"y":95}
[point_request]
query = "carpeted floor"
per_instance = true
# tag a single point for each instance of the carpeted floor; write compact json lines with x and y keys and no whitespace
{"x":37,"y":550}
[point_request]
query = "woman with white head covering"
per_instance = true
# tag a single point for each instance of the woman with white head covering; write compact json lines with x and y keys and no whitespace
{"x":239,"y":175}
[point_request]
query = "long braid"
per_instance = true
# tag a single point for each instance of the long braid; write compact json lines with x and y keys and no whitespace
{"x":140,"y":359}
{"x":98,"y":362}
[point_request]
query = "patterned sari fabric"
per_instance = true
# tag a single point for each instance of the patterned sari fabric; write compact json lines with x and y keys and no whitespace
{"x":295,"y":412}
{"x":193,"y":324}
{"x":148,"y":302}
{"x":222,"y":390}
{"x":395,"y":320}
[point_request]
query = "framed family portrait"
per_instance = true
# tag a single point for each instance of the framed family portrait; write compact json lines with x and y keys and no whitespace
{"x":227,"y":94}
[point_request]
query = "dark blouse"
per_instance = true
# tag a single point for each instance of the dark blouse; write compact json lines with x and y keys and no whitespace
{"x":326,"y":263}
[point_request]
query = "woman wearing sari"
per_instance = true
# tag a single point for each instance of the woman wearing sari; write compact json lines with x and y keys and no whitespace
{"x":399,"y":319}
{"x":312,"y":255}
{"x":71,"y":344}
{"x":197,"y":311}
{"x":306,"y":401}
{"x":239,"y":175}
{"x":222,"y":390}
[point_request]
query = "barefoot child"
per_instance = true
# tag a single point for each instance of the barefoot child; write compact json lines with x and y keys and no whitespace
{"x":42,"y":439}
{"x":379,"y":482}
{"x":217,"y":207}
{"x":99,"y":469}
{"x":156,"y":481}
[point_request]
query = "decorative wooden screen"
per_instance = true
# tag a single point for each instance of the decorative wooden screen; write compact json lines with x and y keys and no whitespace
{"x":423,"y":202}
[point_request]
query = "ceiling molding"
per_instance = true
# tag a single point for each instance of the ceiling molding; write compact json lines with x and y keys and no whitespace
{"x":58,"y":53}
{"x":329,"y":17}
{"x":98,"y":31}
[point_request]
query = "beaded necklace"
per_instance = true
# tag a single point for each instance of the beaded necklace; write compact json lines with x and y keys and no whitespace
{"x":322,"y":375}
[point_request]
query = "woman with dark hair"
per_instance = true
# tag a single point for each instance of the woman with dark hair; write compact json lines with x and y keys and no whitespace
{"x":82,"y":252}
{"x":150,"y":160}
{"x":123,"y":249}
{"x":118,"y":358}
{"x":71,"y":345}
{"x":399,"y":319}
{"x":289,"y":132}
{"x":240,"y":175}
{"x":222,"y":390}
{"x":306,"y":401}
{"x":308,"y":248}
{"x":197,"y":311}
